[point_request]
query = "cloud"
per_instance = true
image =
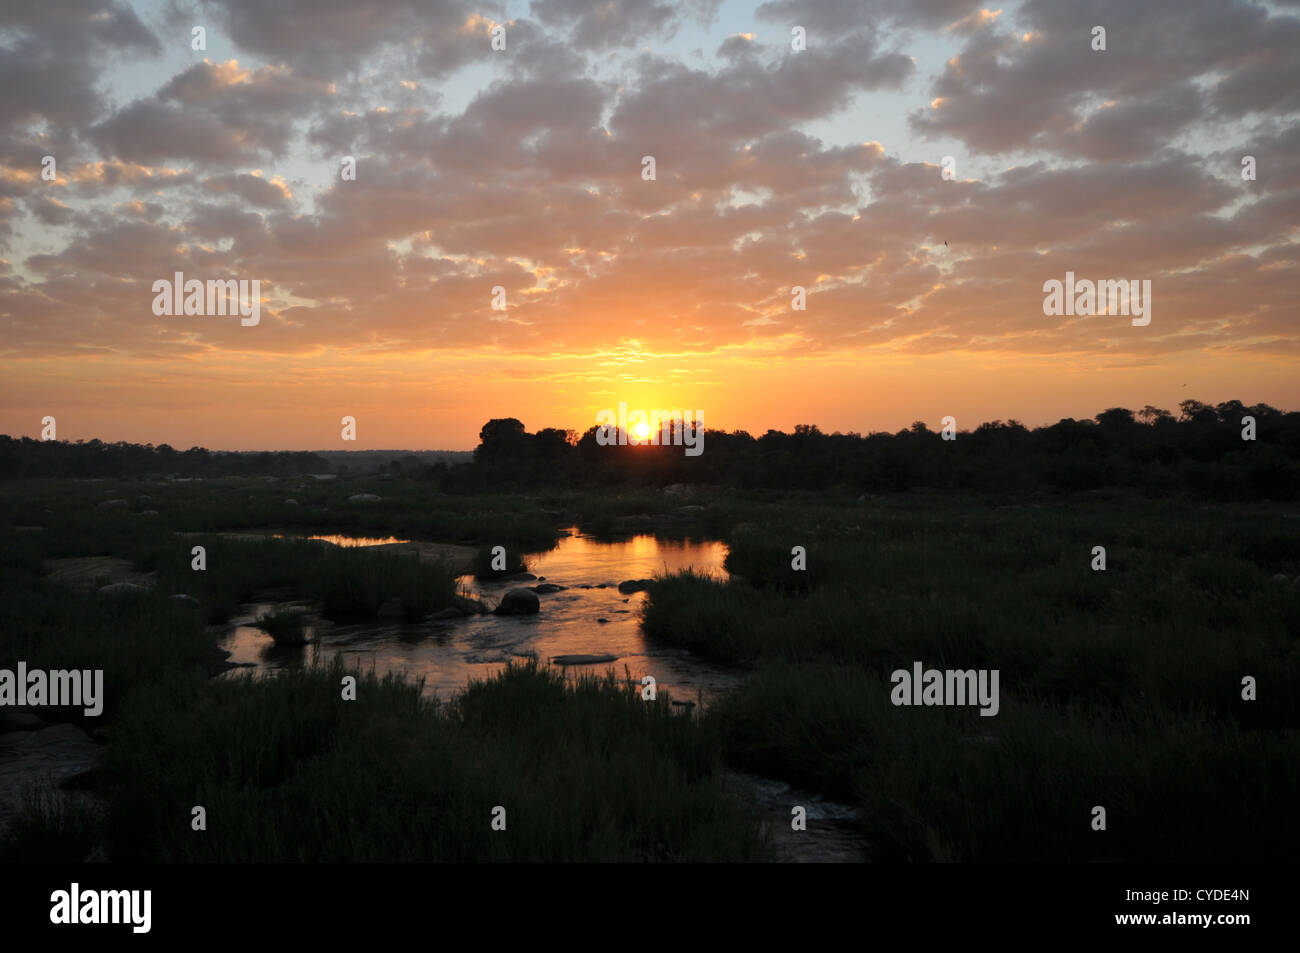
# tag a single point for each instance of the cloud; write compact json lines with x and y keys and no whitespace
{"x":524,"y":170}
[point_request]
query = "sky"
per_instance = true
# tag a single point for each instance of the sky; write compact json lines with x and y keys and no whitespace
{"x":522,"y":169}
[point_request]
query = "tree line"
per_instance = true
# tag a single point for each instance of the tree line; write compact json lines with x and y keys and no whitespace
{"x":1202,"y":450}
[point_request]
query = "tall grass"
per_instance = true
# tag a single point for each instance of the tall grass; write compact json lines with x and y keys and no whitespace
{"x":1120,"y":688}
{"x":289,"y":771}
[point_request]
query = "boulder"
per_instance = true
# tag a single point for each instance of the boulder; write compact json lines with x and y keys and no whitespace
{"x":518,"y":602}
{"x":364,"y":498}
{"x":451,"y":612}
{"x":1281,"y":577}
{"x":547,"y":587}
{"x":628,"y":586}
{"x":121,"y":589}
{"x":112,"y":505}
{"x":583,"y":659}
{"x":185,"y":598}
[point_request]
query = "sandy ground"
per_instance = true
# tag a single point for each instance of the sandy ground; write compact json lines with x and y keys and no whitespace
{"x":461,"y":557}
{"x":39,"y":758}
{"x":87,"y":573}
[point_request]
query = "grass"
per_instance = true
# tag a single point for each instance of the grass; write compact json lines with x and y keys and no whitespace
{"x":1120,"y":688}
{"x":288,"y":771}
{"x":286,"y":768}
{"x":51,"y":826}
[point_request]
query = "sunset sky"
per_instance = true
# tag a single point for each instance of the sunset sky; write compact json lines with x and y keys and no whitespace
{"x":522,"y":168}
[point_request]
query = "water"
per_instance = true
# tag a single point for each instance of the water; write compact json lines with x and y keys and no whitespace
{"x":584,"y":619}
{"x":354,"y":541}
{"x":448,"y":654}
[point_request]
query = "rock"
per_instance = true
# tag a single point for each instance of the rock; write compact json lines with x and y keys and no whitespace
{"x":523,"y":575}
{"x":628,"y":586}
{"x":518,"y":602}
{"x":547,"y":587}
{"x":185,"y":598}
{"x":693,"y":508}
{"x":112,"y":505}
{"x":392,"y":609}
{"x":46,"y":756}
{"x":148,"y":512}
{"x":120,"y":589}
{"x":290,"y":502}
{"x":678,"y":489}
{"x":583,"y":659}
{"x":1281,"y":577}
{"x":322,"y":476}
{"x":468,"y":606}
{"x":364,"y":498}
{"x":603,"y":621}
{"x":449,"y":613}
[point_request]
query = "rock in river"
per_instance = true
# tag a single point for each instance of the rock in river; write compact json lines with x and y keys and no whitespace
{"x":583,"y":659}
{"x":518,"y":602}
{"x":120,"y":589}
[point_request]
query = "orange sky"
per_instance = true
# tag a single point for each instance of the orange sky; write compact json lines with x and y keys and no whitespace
{"x":522,"y":169}
{"x":440,"y":401}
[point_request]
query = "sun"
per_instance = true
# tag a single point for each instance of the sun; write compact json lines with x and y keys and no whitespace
{"x":642,"y":430}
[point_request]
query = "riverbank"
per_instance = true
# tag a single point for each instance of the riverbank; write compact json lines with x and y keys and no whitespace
{"x":1121,"y":688}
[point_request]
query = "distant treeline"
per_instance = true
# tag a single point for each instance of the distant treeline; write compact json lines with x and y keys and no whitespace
{"x":1201,"y":451}
{"x":26,"y":457}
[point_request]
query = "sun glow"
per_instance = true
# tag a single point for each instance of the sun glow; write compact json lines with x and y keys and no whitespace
{"x":642,"y":430}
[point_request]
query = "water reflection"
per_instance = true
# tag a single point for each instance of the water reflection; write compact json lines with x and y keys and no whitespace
{"x":350,"y":541}
{"x":588,"y":617}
